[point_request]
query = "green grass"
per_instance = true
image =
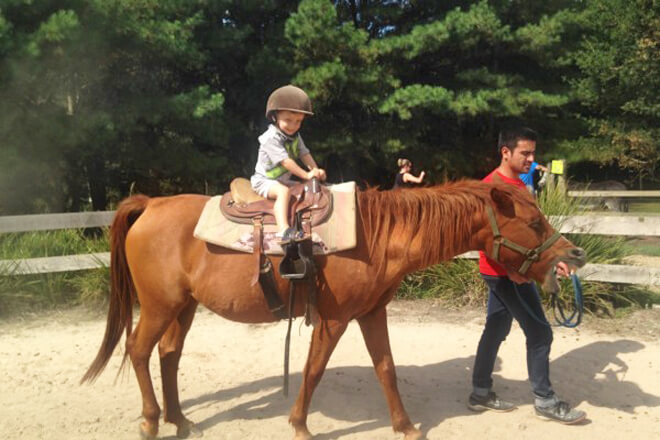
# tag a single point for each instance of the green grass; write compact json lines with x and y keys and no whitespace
{"x":652,"y":250}
{"x":456,"y":283}
{"x":44,"y":291}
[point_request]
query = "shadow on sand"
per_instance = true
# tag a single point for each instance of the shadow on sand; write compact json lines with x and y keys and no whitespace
{"x":434,"y":392}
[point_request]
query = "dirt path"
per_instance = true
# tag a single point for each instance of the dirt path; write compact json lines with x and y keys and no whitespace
{"x":230,"y":380}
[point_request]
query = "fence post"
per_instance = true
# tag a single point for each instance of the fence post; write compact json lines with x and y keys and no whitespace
{"x":557,"y":176}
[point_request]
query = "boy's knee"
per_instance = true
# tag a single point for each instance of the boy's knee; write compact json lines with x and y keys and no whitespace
{"x":279,"y":192}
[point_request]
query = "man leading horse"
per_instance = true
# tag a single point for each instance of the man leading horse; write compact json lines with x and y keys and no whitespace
{"x":511,"y":296}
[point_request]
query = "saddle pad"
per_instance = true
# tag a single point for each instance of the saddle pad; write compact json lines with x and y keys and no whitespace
{"x":336,"y":234}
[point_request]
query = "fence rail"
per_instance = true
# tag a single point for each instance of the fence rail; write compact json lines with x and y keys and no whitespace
{"x":614,"y":193}
{"x":45,"y":222}
{"x":625,"y":225}
{"x":585,"y":224}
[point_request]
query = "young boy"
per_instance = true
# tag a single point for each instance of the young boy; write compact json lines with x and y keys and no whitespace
{"x":279,"y":147}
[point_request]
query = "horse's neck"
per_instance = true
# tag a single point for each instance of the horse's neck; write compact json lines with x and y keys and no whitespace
{"x":412,"y":247}
{"x":453,"y":236}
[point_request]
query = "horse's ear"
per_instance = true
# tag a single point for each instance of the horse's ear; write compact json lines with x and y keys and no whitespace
{"x":503,"y":201}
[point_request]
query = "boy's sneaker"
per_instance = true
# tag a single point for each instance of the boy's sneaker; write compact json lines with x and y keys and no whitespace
{"x":288,"y":235}
{"x":489,"y":402}
{"x":562,"y":413}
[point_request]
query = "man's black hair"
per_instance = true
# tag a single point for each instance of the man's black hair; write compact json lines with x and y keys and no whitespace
{"x":509,"y":137}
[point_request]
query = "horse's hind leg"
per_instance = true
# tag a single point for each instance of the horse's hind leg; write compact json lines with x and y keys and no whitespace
{"x":324,"y":340}
{"x":169,"y":349}
{"x":139,"y":345}
{"x":374,"y":331}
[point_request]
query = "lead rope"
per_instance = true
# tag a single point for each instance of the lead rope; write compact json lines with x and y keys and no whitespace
{"x":556,"y":305}
{"x":577,"y":311}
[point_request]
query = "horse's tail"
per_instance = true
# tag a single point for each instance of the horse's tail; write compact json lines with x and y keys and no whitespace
{"x":122,"y":289}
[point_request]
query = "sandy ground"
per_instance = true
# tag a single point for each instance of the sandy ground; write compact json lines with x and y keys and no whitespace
{"x":231,"y":378}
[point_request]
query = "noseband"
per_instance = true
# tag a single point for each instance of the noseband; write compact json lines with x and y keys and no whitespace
{"x":532,"y":255}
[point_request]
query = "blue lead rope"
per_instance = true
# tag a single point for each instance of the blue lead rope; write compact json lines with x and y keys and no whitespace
{"x":570,"y":322}
{"x":577,"y":311}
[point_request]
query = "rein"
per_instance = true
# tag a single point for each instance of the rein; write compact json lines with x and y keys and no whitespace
{"x":533,"y":255}
{"x":556,"y":306}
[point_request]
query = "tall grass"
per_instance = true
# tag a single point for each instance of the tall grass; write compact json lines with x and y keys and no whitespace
{"x":458,"y":282}
{"x":455,"y":283}
{"x":41,"y":291}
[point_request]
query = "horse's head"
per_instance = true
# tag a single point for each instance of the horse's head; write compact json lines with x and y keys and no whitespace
{"x":522,"y":240}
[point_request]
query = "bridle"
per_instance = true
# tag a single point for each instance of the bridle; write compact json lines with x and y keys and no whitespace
{"x":532,"y":255}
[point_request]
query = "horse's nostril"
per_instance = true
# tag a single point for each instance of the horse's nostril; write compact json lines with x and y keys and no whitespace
{"x":578,"y":253}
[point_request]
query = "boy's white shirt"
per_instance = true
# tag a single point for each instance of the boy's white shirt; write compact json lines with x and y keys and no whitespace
{"x":272,"y":150}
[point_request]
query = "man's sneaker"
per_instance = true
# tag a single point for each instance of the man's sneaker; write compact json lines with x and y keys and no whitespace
{"x":489,"y":402}
{"x":562,"y":413}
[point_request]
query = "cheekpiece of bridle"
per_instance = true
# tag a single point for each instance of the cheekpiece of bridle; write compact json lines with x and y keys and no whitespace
{"x":532,"y":255}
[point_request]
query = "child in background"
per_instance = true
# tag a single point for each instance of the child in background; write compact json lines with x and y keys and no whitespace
{"x":279,"y":147}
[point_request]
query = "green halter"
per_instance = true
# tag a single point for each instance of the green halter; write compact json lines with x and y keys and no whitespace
{"x":532,"y":255}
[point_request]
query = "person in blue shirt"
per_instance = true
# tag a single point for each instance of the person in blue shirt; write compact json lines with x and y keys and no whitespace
{"x":528,"y":177}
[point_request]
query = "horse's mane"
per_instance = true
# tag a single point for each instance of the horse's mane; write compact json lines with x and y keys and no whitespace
{"x":442,"y":215}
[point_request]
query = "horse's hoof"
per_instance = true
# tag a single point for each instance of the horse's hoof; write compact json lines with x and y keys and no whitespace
{"x":148,"y":432}
{"x":188,"y":429}
{"x":303,"y":435}
{"x":413,"y":434}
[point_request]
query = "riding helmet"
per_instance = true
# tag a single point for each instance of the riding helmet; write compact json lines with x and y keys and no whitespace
{"x":290,"y":98}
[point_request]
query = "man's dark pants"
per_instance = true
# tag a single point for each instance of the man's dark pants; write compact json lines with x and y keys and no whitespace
{"x":503,"y":305}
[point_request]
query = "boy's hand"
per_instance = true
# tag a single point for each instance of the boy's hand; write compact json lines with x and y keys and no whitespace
{"x":316,"y":172}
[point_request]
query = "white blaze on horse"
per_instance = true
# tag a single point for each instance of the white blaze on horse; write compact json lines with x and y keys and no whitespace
{"x":157,"y":262}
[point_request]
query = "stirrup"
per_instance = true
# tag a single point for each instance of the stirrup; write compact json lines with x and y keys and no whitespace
{"x":294,"y":268}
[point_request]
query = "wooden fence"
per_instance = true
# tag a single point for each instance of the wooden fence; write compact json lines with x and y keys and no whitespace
{"x":624,"y":224}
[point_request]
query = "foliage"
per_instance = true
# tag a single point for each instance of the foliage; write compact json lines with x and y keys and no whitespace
{"x":619,"y":74}
{"x":98,"y":97}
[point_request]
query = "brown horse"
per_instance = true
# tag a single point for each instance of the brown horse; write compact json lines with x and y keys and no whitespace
{"x":157,"y":262}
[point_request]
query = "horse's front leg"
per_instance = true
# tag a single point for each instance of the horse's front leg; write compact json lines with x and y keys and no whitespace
{"x":324,"y":340}
{"x":374,"y":330}
{"x":169,"y":349}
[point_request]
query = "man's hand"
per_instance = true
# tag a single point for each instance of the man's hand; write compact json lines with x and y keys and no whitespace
{"x":563,"y":270}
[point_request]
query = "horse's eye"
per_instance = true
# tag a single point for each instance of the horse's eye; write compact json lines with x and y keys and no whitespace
{"x":536,"y":225}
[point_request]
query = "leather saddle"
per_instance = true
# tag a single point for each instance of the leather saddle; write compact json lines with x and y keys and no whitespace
{"x":241,"y":204}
